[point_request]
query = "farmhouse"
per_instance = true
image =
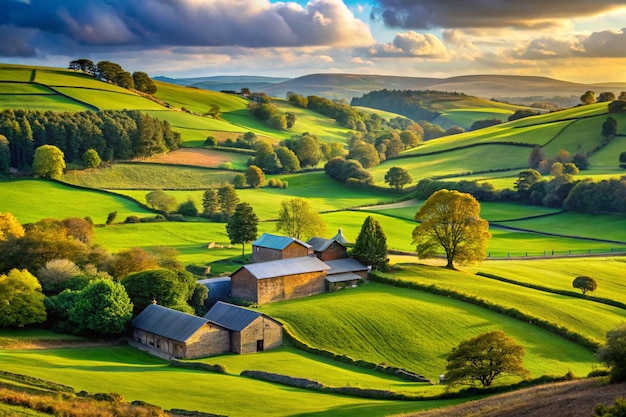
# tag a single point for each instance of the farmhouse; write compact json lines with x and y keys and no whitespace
{"x":327,"y":249}
{"x":271,"y":248}
{"x":250,"y":331}
{"x":179,"y":334}
{"x":266,"y":282}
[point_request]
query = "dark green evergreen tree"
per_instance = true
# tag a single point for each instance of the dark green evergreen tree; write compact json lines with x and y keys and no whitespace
{"x":371,"y":245}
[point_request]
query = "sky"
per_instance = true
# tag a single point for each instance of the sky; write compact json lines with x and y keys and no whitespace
{"x":573,"y":40}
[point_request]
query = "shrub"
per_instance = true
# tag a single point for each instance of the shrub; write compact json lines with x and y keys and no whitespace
{"x":188,"y":208}
{"x":132,"y":219}
{"x":56,"y":273}
{"x":210,"y":141}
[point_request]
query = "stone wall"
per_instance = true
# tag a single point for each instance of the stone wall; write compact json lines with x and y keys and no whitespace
{"x":244,"y":285}
{"x":209,"y":340}
{"x":334,"y":251}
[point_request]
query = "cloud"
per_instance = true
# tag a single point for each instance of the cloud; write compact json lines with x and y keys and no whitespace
{"x":603,"y":44}
{"x":74,"y":26}
{"x":528,"y":14}
{"x":411,"y":44}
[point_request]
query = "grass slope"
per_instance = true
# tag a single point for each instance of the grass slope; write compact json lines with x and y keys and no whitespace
{"x":404,"y":328}
{"x":137,"y":376}
{"x":33,"y":200}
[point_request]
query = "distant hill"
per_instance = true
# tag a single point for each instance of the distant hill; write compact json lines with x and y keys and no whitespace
{"x":516,"y":89}
{"x":226,"y":82}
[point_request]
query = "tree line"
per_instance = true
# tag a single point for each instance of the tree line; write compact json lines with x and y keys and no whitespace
{"x":111,"y":72}
{"x":112,"y":134}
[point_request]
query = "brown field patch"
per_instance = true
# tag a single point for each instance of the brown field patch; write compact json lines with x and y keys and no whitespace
{"x":564,"y":399}
{"x":206,"y":158}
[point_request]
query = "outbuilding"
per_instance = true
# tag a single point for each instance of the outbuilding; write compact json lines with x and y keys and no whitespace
{"x":284,"y":279}
{"x":178,"y":334}
{"x":272,"y":247}
{"x":250,"y":331}
{"x":327,"y":249}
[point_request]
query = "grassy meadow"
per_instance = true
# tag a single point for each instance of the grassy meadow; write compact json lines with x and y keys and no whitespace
{"x":138,"y":376}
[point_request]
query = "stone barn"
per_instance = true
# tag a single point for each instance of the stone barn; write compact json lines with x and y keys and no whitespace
{"x":267,"y":282}
{"x":178,"y":334}
{"x":272,"y":248}
{"x":250,"y":331}
{"x":328,"y":249}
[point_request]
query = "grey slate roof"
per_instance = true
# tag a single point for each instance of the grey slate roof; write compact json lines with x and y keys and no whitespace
{"x":282,"y":267}
{"x":346,"y":276}
{"x":277,"y":242}
{"x":219,"y":288}
{"x":168,"y":323}
{"x":320,"y":244}
{"x":231,"y":316}
{"x":340,"y":266}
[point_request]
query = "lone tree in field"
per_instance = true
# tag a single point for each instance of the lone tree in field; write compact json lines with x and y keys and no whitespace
{"x":585,"y":284}
{"x":297,"y":219}
{"x":398,"y":177}
{"x":255,"y":176}
{"x":48,"y":162}
{"x":451,"y":219}
{"x":483,"y":359}
{"x":371,"y":245}
{"x":242,"y":226}
{"x":613,"y":353}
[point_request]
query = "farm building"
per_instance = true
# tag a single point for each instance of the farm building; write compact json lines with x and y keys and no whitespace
{"x":219,"y":289}
{"x":272,"y":248}
{"x":266,"y":282}
{"x":250,"y":331}
{"x":345,"y":273}
{"x":327,"y":249}
{"x":225,"y":328}
{"x":179,"y":334}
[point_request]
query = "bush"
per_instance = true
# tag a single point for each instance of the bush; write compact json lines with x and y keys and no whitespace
{"x":210,"y":141}
{"x":188,"y":208}
{"x":132,"y":219}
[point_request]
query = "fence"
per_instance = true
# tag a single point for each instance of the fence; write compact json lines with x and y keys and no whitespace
{"x":558,"y":253}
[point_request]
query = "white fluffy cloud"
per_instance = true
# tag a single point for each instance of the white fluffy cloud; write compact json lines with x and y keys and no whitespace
{"x":411,"y":44}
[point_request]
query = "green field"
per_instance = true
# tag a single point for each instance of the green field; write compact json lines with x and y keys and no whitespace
{"x":404,"y":328}
{"x":110,"y":100}
{"x":588,"y":318}
{"x":32,"y":200}
{"x":138,"y":376}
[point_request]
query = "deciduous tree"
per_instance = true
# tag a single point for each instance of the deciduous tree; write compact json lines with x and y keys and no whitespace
{"x":588,"y":98}
{"x":613,"y":353}
{"x":168,"y":288}
{"x":297,"y":219}
{"x":398,"y":177}
{"x":10,"y":227}
{"x":585,"y":284}
{"x":210,"y":203}
{"x":483,"y":359}
{"x":371,"y":245}
{"x":160,"y":200}
{"x":91,"y":159}
{"x":22,"y":301}
{"x":242,"y":227}
{"x":255,"y":176}
{"x":451,"y":220}
{"x":130,"y":260}
{"x":48,"y":162}
{"x":5,"y":156}
{"x":102,"y":308}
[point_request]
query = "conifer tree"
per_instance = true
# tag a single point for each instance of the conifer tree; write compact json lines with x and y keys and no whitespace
{"x":371,"y":245}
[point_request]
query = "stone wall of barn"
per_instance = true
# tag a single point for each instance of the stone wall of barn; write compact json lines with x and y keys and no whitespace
{"x":209,"y":340}
{"x":291,"y":286}
{"x":334,"y":251}
{"x":260,"y":335}
{"x":244,"y":285}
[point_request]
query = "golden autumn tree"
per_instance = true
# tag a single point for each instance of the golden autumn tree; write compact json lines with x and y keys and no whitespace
{"x":451,"y":220}
{"x":10,"y":226}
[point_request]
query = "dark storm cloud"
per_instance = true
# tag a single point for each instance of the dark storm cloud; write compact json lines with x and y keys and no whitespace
{"x":527,"y":14}
{"x":87,"y":24}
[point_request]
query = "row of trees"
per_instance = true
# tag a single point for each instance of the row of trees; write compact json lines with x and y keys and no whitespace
{"x":111,"y":134}
{"x":589,"y":97}
{"x":111,"y":72}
